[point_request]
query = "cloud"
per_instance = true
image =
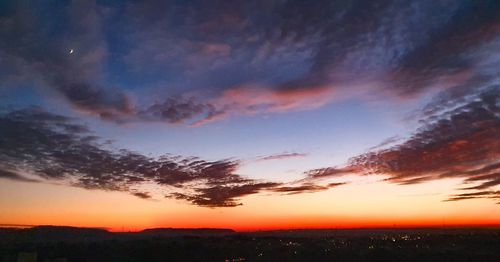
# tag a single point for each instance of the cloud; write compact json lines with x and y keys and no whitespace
{"x":38,"y":53}
{"x":306,"y":187}
{"x":459,"y":141}
{"x":253,"y":100}
{"x":223,"y":196}
{"x":495,"y":195}
{"x":211,"y":61}
{"x":282,"y":156}
{"x":38,"y":146}
{"x":303,"y":56}
{"x":178,"y":110}
{"x":14,"y":176}
{"x":328,"y":172}
{"x":143,"y":195}
{"x":386,"y":142}
{"x":243,"y":58}
{"x":487,"y":181}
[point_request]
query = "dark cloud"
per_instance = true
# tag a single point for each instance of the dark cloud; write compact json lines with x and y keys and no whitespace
{"x":399,"y":48}
{"x":38,"y":146}
{"x":290,"y":54}
{"x":282,"y":156}
{"x":66,"y":53}
{"x":452,"y":48}
{"x":328,"y":172}
{"x":403,"y":48}
{"x":460,"y":141}
{"x":178,"y":110}
{"x":53,"y":147}
{"x":143,"y":195}
{"x":223,"y":196}
{"x":14,"y":176}
{"x":495,"y":195}
{"x":306,"y":187}
{"x":487,"y":181}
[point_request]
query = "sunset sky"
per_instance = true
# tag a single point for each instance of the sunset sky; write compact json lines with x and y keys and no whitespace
{"x":250,"y":115}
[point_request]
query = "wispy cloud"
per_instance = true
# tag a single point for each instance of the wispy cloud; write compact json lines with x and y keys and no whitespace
{"x":221,"y":60}
{"x":282,"y":156}
{"x":51,"y":147}
{"x":306,"y":187}
{"x":215,"y":60}
{"x":494,"y":195}
{"x":461,"y":142}
{"x":329,"y":172}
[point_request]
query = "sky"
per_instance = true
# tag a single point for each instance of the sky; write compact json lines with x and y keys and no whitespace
{"x":250,"y":115}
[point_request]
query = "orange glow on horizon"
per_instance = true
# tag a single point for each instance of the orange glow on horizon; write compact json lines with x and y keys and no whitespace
{"x":45,"y":204}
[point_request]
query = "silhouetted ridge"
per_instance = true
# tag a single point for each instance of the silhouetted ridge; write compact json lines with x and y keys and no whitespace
{"x":67,"y":230}
{"x":67,"y":233}
{"x":55,"y":233}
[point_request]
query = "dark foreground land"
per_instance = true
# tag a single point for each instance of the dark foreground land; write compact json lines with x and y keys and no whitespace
{"x":74,"y":244}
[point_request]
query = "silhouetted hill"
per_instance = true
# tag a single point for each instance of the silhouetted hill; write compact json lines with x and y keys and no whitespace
{"x":61,"y":232}
{"x":54,"y":233}
{"x":65,"y":233}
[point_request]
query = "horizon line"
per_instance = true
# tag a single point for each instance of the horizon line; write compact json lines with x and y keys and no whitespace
{"x":400,"y":227}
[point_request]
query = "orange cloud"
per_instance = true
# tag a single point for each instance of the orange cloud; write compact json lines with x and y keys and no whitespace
{"x":252,"y":100}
